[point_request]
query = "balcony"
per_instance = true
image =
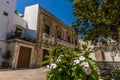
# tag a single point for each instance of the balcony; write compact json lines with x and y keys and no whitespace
{"x":25,"y":37}
{"x":72,"y":45}
{"x":60,"y":42}
{"x":48,"y":38}
{"x":65,"y":43}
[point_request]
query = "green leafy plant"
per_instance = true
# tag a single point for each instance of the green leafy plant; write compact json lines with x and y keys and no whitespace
{"x":98,"y":18}
{"x":7,"y":55}
{"x":115,"y":75}
{"x":18,"y":32}
{"x":65,"y":64}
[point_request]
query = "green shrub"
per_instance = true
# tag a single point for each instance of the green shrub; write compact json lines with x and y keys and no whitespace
{"x":115,"y":75}
{"x":7,"y":55}
{"x":74,"y":64}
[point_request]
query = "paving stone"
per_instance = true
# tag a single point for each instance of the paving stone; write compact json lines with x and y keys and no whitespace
{"x":26,"y":74}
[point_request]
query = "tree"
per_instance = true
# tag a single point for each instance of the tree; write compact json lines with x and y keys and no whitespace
{"x":104,"y":15}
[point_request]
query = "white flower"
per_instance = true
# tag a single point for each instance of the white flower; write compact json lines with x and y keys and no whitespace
{"x":87,"y":70}
{"x":81,"y":58}
{"x":76,"y":62}
{"x":61,"y":55}
{"x":48,"y":66}
{"x":51,"y":60}
{"x":94,"y":58}
{"x":53,"y":66}
{"x":58,"y":60}
{"x":85,"y":64}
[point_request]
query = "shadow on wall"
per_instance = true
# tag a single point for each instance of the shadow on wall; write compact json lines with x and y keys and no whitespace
{"x":1,"y":59}
{"x":31,"y":32}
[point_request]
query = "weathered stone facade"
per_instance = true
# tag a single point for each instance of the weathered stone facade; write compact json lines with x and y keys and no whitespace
{"x":59,"y":34}
{"x":14,"y":46}
{"x":32,"y":35}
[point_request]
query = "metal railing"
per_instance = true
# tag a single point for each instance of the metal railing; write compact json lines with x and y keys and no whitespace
{"x":23,"y":36}
{"x":105,"y":68}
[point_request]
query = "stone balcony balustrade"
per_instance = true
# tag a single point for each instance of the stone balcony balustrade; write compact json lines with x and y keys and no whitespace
{"x":71,"y":45}
{"x":60,"y":42}
{"x":65,"y":43}
{"x":48,"y":38}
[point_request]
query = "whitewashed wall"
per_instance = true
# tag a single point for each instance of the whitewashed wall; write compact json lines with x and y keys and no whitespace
{"x":17,"y":20}
{"x":6,"y":22}
{"x":31,"y":16}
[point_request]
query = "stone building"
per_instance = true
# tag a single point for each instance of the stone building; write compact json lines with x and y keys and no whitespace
{"x":28,"y":37}
{"x":50,"y":31}
{"x":104,"y":54}
{"x":101,"y":53}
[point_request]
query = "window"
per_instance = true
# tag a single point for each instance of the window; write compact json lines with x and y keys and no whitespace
{"x":47,"y":29}
{"x":5,"y":13}
{"x":68,"y":38}
{"x":73,"y":40}
{"x":59,"y":34}
{"x":76,"y":42}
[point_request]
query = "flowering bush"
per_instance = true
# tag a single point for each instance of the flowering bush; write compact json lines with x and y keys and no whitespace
{"x":74,"y":64}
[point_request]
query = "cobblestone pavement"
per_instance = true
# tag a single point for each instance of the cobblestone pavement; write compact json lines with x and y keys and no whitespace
{"x":26,"y":74}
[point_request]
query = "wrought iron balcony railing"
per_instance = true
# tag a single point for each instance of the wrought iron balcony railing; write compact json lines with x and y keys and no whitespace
{"x":105,"y":68}
{"x":24,"y":36}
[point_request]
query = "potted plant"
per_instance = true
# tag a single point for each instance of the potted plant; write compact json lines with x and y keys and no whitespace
{"x":18,"y":32}
{"x":6,"y":57}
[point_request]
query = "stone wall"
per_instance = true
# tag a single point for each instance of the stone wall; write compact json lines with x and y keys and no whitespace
{"x":14,"y":47}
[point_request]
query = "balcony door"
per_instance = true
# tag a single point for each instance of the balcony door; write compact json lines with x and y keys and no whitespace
{"x":47,"y":29}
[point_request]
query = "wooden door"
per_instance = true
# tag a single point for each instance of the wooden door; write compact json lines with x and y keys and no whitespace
{"x":24,"y":57}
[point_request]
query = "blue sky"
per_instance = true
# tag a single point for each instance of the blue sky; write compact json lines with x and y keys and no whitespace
{"x":62,"y":9}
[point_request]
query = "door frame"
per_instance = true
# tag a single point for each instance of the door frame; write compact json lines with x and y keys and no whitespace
{"x":29,"y":59}
{"x":16,"y":54}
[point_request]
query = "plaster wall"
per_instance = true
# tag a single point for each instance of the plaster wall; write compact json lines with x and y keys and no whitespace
{"x":31,"y":16}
